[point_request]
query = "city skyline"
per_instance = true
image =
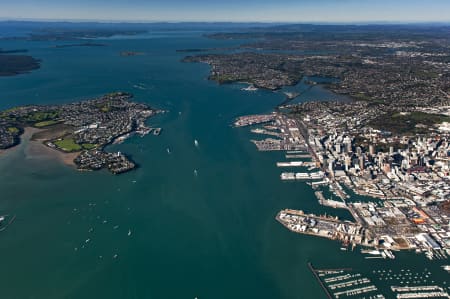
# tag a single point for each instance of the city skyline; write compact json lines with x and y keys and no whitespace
{"x":322,"y":11}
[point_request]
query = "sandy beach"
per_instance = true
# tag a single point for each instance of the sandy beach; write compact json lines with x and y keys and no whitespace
{"x":5,"y":151}
{"x":34,"y":148}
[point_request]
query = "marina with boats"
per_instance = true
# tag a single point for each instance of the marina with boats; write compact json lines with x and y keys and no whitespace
{"x":381,"y":283}
{"x":395,"y":223}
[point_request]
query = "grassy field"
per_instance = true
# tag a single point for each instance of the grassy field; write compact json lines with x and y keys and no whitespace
{"x":13,"y":130}
{"x":45,"y":123}
{"x":68,"y":145}
{"x":88,"y":146}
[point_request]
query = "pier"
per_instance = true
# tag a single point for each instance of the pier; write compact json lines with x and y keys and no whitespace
{"x":311,"y":268}
{"x":340,"y":277}
{"x":266,"y":132}
{"x":250,"y":120}
{"x":426,"y":291}
{"x":302,"y":176}
{"x":328,"y":202}
{"x":290,"y":164}
{"x":423,"y":295}
{"x":356,"y":291}
{"x":298,"y":156}
{"x":349,"y":283}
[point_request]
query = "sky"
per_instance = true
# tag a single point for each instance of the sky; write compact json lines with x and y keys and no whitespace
{"x":230,"y":10}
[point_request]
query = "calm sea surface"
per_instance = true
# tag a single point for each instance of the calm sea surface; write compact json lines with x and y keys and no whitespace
{"x":208,"y":236}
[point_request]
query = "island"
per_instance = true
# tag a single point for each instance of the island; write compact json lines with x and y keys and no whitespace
{"x":12,"y":64}
{"x":84,"y":128}
{"x":88,"y":44}
{"x":59,"y":32}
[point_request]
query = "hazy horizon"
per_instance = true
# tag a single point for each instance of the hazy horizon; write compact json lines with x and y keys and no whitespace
{"x":264,"y":11}
{"x":100,"y":21}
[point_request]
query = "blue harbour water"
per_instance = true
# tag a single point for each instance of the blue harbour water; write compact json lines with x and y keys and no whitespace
{"x":210,"y":235}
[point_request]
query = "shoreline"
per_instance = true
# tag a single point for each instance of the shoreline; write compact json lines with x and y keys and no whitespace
{"x":8,"y":150}
{"x":35,"y":149}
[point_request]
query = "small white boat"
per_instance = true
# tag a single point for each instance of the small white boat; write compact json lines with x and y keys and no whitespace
{"x":374,"y":252}
{"x":251,"y":87}
{"x":195,"y":172}
{"x":129,"y":232}
{"x":196,"y":142}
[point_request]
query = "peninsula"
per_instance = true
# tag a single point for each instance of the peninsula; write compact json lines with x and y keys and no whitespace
{"x":85,"y":127}
{"x":404,"y":64}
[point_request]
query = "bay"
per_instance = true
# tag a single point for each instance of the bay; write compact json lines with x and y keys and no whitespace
{"x":210,"y":235}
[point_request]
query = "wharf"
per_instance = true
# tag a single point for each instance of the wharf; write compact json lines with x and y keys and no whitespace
{"x":356,"y":291}
{"x":324,"y":288}
{"x":312,"y":216}
{"x":266,"y":132}
{"x":323,"y":182}
{"x":295,"y":152}
{"x":328,"y":202}
{"x":250,"y":120}
{"x":416,"y":288}
{"x":302,"y":176}
{"x":290,"y":164}
{"x":298,"y":156}
{"x":423,"y":295}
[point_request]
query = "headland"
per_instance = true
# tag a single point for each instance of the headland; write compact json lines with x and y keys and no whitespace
{"x":78,"y":133}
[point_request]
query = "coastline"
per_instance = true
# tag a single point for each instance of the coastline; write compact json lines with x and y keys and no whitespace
{"x":8,"y":150}
{"x":35,"y":149}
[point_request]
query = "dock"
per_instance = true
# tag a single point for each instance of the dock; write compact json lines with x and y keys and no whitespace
{"x":298,"y":156}
{"x":329,"y":202}
{"x":290,"y":164}
{"x":302,"y":176}
{"x":311,"y":268}
{"x":431,"y":291}
{"x":250,"y":120}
